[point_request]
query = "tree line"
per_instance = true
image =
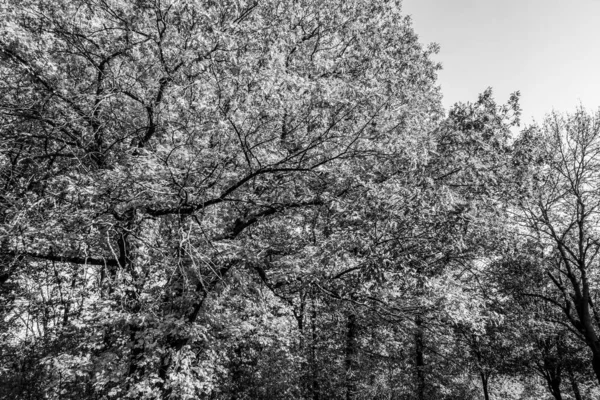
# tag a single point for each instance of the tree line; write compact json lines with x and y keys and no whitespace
{"x":247,"y":199}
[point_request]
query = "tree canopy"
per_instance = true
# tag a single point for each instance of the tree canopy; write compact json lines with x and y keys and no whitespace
{"x":266,"y":200}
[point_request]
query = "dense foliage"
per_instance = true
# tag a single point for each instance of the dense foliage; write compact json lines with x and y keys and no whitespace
{"x":265,"y":200}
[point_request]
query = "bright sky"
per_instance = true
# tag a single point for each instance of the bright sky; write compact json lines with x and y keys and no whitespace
{"x":549,"y":50}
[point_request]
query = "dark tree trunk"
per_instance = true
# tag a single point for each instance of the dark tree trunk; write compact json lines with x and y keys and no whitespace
{"x":314,"y":381}
{"x":586,"y":326}
{"x":484,"y":383}
{"x":553,"y":378}
{"x":596,"y":364}
{"x":351,"y":351}
{"x":419,"y":359}
{"x":574,"y":385}
{"x":555,"y":389}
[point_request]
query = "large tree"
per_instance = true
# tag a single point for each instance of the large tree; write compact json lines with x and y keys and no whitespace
{"x":150,"y":149}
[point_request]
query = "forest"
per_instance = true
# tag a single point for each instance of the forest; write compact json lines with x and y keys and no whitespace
{"x":265,"y":199}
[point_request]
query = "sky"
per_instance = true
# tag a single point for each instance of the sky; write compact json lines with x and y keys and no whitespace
{"x":549,"y":50}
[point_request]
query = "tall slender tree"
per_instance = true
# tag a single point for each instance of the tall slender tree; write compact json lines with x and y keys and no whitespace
{"x":556,"y":206}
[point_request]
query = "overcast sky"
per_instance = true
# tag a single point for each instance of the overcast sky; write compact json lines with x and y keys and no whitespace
{"x":549,"y":50}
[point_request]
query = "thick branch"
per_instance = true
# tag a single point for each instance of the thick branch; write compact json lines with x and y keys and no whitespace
{"x":66,"y":259}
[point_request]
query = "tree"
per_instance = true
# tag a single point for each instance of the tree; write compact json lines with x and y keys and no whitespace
{"x":557,"y":197}
{"x":244,"y":199}
{"x":150,"y":149}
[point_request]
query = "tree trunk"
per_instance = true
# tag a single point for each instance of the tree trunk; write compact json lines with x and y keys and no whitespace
{"x":553,"y":379}
{"x":484,"y":384}
{"x":351,"y":351}
{"x":596,"y":364}
{"x":582,"y":306}
{"x":419,"y":361}
{"x":555,"y":389}
{"x":314,"y":382}
{"x":574,"y":385}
